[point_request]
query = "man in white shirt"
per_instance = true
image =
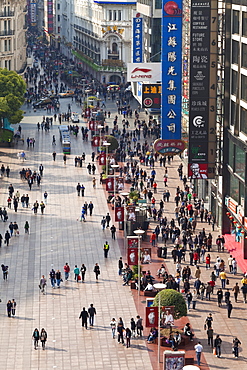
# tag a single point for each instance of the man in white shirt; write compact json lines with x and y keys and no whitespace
{"x":198,"y":348}
{"x":230,"y":263}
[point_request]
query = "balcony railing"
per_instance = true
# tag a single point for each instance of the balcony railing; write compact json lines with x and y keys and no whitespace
{"x":11,"y":13}
{"x":7,"y":33}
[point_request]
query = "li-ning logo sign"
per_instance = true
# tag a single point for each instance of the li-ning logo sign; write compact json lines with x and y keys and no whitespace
{"x":143,"y":70}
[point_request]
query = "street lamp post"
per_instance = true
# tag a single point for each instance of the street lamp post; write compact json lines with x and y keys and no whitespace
{"x":139,"y":233}
{"x":114,"y":167}
{"x":125,"y":194}
{"x":106,"y":144}
{"x":159,"y":286}
{"x":100,"y":127}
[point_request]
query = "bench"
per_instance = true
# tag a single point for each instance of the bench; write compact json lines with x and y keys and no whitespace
{"x":189,"y":361}
{"x":150,"y":293}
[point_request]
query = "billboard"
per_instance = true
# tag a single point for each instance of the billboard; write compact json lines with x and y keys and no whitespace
{"x":137,"y":40}
{"x":152,"y":317}
{"x":150,"y":72}
{"x":33,"y":13}
{"x":203,"y":89}
{"x":50,"y":16}
{"x":119,"y":214}
{"x":151,"y":96}
{"x":171,"y":59}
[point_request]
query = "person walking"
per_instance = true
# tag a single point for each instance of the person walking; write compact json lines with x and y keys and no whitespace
{"x":236,"y":291}
{"x":66,"y":269}
{"x":120,"y":330}
{"x":9,"y":308}
{"x":120,"y":266}
{"x":113,"y":232}
{"x":13,"y":308}
{"x":194,"y":299}
{"x":53,"y":278}
{"x":217,"y":345}
{"x":42,"y":284}
{"x":103,"y":223}
{"x":6,"y":238}
{"x":77,"y":273}
{"x":64,"y":159}
{"x":244,"y":291}
{"x":236,"y":343}
{"x":219,"y":296}
{"x":198,"y":348}
{"x":41,"y":169}
{"x":106,"y":249}
{"x":36,"y":338}
{"x":83,"y":272}
{"x":229,"y":309}
{"x":139,"y":326}
{"x":84,"y":317}
{"x":128,"y":336}
{"x":92,"y":312}
{"x":90,"y":207}
{"x":108,"y":219}
{"x":78,"y":189}
{"x":223,"y":278}
{"x":96,"y":270}
{"x":54,"y":156}
{"x":43,"y":337}
{"x":113,"y":325}
{"x":208,"y":321}
{"x":26,"y":227}
{"x":210,"y":334}
{"x":42,"y":207}
{"x":5,"y":270}
{"x":16,"y":229}
{"x":58,"y":278}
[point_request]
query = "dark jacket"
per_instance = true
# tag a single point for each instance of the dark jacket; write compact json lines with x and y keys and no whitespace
{"x":84,"y":315}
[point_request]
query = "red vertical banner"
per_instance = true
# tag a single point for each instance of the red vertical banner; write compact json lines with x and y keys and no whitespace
{"x":132,"y":256}
{"x":119,"y":214}
{"x":131,"y":215}
{"x":109,"y":184}
{"x":96,"y":141}
{"x":91,"y":125}
{"x":132,"y":241}
{"x":152,"y":317}
{"x":102,"y":159}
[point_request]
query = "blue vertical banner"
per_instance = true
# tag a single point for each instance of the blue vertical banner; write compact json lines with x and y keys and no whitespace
{"x":171,"y":65}
{"x":137,"y":40}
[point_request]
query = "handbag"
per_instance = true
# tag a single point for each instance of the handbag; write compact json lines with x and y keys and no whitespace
{"x":205,"y":326}
{"x":39,"y":286}
{"x":78,"y":277}
{"x":227,"y":282}
{"x":214,"y":351}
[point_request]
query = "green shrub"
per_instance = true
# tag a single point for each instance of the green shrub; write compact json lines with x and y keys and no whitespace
{"x":170,"y":297}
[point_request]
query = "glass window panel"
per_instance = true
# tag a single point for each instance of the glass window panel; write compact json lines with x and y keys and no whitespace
{"x":235,"y":21}
{"x":234,"y":82}
{"x":244,"y":55}
{"x":234,"y":187}
{"x":240,"y":162}
{"x":235,"y":51}
{"x":231,"y":154}
{"x":243,"y":120}
{"x":244,"y":22}
{"x":244,"y":88}
{"x":233,"y":112}
{"x":158,"y":4}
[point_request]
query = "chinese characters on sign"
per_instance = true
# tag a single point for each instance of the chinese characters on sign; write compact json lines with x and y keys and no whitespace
{"x":203,"y":88}
{"x":171,"y":69}
{"x":137,"y":40}
{"x":151,"y":96}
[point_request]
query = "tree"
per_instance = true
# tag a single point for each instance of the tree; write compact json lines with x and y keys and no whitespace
{"x":113,"y":141}
{"x":12,"y":90}
{"x":170,"y":297}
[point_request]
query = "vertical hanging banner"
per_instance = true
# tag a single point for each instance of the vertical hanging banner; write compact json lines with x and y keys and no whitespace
{"x":119,"y":214}
{"x":152,"y":317}
{"x":33,"y":13}
{"x":137,"y":39}
{"x":203,"y":89}
{"x":171,"y":65}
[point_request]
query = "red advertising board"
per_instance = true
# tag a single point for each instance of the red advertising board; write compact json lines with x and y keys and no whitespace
{"x":132,"y":256}
{"x":109,"y":184}
{"x":96,"y":141}
{"x":133,"y":241}
{"x":119,"y":214}
{"x":152,"y":317}
{"x":198,"y":170}
{"x":102,"y":159}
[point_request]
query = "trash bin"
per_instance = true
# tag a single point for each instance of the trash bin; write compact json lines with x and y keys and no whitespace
{"x":121,"y":225}
{"x":159,"y":252}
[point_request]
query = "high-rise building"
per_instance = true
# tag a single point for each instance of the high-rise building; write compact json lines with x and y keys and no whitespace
{"x":12,"y":34}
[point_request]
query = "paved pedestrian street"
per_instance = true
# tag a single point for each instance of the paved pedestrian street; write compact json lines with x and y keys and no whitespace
{"x":58,"y":237}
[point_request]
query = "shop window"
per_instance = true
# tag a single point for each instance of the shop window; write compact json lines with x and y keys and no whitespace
{"x":240,"y":162}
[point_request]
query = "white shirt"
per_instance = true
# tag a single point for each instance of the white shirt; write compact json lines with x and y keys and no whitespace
{"x":198,"y":347}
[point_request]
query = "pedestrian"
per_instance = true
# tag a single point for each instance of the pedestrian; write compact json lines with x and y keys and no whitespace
{"x":120,"y":266}
{"x":113,"y":325}
{"x":54,"y":156}
{"x":208,"y":321}
{"x":94,"y":182}
{"x":106,"y":249}
{"x":64,"y":158}
{"x":133,"y":327}
{"x":244,"y":291}
{"x":103,"y":223}
{"x":11,"y":229}
{"x":113,"y":232}
{"x":90,"y":207}
{"x":128,"y":336}
{"x":58,"y":278}
{"x":84,"y":317}
{"x":36,"y":338}
{"x":13,"y":308}
{"x":220,"y":297}
{"x":78,"y":188}
{"x":6,"y":238}
{"x":198,"y":348}
{"x":66,"y":269}
{"x":139,"y":326}
{"x":236,"y":343}
{"x":236,"y":291}
{"x":229,"y":309}
{"x":9,"y":308}
{"x":96,"y":271}
{"x":108,"y":219}
{"x":42,"y":207}
{"x":43,"y":337}
{"x":42,"y":284}
{"x":217,"y":345}
{"x":210,"y":334}
{"x":82,"y":190}
{"x":189,"y":299}
{"x":120,"y":330}
{"x":35,"y":207}
{"x":223,"y":278}
{"x":41,"y":169}
{"x":53,"y":278}
{"x":92,"y":312}
{"x":1,"y":238}
{"x":26,"y":227}
{"x":77,"y":273}
{"x":83,"y":272}
{"x":16,"y":229}
{"x":5,"y":270}
{"x":234,"y":266}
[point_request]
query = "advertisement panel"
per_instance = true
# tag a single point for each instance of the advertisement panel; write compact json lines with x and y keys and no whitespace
{"x":132,"y":256}
{"x":109,"y":184}
{"x":131,"y":214}
{"x":132,"y":241}
{"x":203,"y":88}
{"x":171,"y":59}
{"x":137,"y":40}
{"x":119,"y":214}
{"x":50,"y":16}
{"x":151,"y":96}
{"x":102,"y":159}
{"x":150,"y":72}
{"x":152,"y":317}
{"x":96,"y":141}
{"x":174,"y":360}
{"x":33,"y":13}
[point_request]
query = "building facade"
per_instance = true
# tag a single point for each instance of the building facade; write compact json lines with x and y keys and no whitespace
{"x":13,"y":35}
{"x":97,"y":34}
{"x":235,"y":122}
